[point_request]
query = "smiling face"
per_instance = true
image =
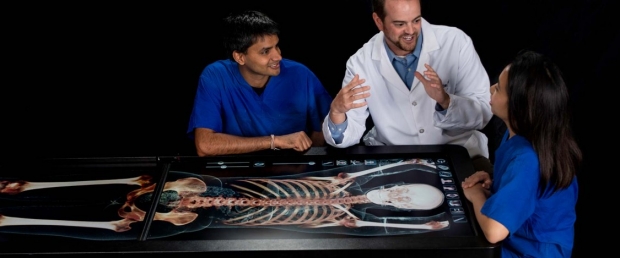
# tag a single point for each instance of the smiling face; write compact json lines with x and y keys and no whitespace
{"x":499,"y":96}
{"x":260,"y":61}
{"x":402,"y":25}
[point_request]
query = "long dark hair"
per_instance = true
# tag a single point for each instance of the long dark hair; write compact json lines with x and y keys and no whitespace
{"x":538,"y":110}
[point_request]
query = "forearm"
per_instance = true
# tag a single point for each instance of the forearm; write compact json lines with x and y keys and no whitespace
{"x":493,"y":230}
{"x":212,"y":144}
{"x":464,"y":113}
{"x":337,"y":118}
{"x":445,"y":102}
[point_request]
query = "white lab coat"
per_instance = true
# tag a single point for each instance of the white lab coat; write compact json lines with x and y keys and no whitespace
{"x":408,"y":117}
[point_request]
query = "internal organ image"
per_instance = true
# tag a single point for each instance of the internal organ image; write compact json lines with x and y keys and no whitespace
{"x":372,"y":201}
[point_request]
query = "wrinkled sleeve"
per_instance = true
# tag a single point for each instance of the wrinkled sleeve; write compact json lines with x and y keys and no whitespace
{"x":206,"y":111}
{"x":515,"y":198}
{"x":469,"y":94}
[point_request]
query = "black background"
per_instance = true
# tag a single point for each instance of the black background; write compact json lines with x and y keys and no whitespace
{"x":101,"y":79}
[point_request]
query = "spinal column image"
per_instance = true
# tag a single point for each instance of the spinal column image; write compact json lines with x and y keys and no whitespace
{"x":388,"y":198}
{"x":392,"y":197}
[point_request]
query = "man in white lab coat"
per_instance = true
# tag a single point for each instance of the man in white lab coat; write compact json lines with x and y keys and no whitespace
{"x":421,"y":83}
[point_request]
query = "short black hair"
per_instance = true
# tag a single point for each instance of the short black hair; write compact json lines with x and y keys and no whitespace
{"x":243,"y":29}
{"x":378,"y":6}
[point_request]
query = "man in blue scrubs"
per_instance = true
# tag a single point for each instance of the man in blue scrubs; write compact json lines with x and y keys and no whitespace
{"x":256,"y":100}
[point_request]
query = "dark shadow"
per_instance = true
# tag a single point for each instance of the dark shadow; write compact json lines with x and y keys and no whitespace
{"x":494,"y":131}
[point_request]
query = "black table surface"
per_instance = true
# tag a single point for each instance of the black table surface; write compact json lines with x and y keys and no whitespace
{"x":422,"y":245}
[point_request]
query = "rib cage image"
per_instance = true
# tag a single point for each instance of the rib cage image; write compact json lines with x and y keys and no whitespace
{"x":307,"y":201}
{"x":284,"y":202}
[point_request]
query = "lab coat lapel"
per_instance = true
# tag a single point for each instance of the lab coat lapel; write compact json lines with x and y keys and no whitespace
{"x":429,"y":44}
{"x":386,"y":68}
{"x":394,"y":86}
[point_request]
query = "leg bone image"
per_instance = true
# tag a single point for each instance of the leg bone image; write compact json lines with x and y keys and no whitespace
{"x":372,"y":201}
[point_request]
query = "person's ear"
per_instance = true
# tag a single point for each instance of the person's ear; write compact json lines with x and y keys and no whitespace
{"x":378,"y":21}
{"x":239,"y":57}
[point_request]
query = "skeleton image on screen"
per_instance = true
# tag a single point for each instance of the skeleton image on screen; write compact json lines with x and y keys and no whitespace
{"x":389,"y":198}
